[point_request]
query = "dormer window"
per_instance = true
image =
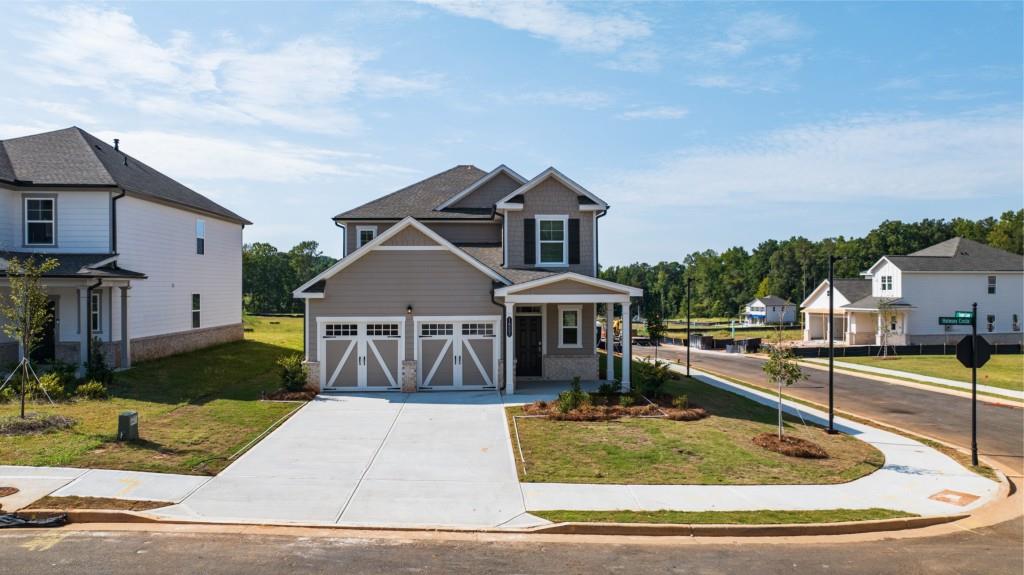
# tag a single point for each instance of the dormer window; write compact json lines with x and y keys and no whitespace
{"x":40,"y":221}
{"x":552,"y":247}
{"x":886,"y":283}
{"x":365,"y":235}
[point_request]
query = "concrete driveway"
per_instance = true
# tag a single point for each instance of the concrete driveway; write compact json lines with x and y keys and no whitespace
{"x":426,"y":459}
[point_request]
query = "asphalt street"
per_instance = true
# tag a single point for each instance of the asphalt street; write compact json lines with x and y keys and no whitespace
{"x":937,"y":415}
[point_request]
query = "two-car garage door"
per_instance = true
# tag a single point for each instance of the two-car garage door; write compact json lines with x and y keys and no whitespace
{"x":366,"y":354}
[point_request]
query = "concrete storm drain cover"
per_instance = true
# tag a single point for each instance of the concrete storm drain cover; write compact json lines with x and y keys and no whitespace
{"x":957,"y":498}
{"x":5,"y":491}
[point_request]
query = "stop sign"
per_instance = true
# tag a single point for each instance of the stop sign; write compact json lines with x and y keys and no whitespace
{"x":965,"y":353}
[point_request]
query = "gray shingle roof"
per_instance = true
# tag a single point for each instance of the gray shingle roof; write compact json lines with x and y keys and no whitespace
{"x":73,"y":157}
{"x":773,"y":300}
{"x":959,"y":255}
{"x":75,"y":265}
{"x":420,"y":199}
{"x":873,"y":302}
{"x":491,"y":257}
{"x":853,"y":289}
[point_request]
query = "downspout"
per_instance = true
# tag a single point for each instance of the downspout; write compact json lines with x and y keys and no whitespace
{"x":501,"y":331}
{"x":113,"y":220}
{"x":344,"y":238}
{"x":597,"y":237}
{"x":88,"y":320}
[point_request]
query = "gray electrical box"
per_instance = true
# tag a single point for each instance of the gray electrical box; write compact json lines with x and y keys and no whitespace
{"x":128,"y":426}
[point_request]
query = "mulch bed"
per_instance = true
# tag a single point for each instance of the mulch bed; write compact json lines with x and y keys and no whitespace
{"x":73,"y":502}
{"x":285,"y":395}
{"x":33,"y":423}
{"x":791,"y":446}
{"x":5,"y":491}
{"x":614,"y":411}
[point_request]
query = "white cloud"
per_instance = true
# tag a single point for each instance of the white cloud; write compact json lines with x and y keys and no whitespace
{"x":753,"y":29}
{"x":303,"y":84}
{"x":656,"y":113}
{"x":641,"y":60}
{"x":866,"y":159}
{"x":197,"y":157}
{"x":551,"y":20}
{"x":583,"y":99}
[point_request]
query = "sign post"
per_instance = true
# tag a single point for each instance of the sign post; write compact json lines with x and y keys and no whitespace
{"x":974,"y":384}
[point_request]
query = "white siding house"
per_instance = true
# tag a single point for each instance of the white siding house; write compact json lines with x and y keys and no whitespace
{"x":769,"y":310}
{"x":133,"y":272}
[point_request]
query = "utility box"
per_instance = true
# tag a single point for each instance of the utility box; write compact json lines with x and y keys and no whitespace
{"x":128,"y":426}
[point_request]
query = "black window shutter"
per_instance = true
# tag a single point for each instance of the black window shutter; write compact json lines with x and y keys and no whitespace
{"x":529,"y":241}
{"x":574,"y":241}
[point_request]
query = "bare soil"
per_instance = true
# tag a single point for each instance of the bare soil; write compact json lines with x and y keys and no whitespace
{"x":791,"y":446}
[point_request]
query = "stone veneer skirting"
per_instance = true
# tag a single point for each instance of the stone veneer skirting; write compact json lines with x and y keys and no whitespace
{"x":566,"y":367}
{"x":312,"y":374}
{"x":157,"y":346}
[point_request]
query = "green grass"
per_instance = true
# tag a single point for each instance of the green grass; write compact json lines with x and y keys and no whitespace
{"x":764,"y":517}
{"x":717,"y":450}
{"x":768,"y":334}
{"x":1005,"y":371}
{"x":195,"y":409}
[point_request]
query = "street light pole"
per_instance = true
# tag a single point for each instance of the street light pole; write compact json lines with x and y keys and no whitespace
{"x":974,"y":384}
{"x":831,"y":341}
{"x":688,"y":282}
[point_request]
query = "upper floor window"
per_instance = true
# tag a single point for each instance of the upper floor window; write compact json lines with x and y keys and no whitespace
{"x":365,"y":235}
{"x":40,"y":221}
{"x":552,"y":247}
{"x":200,"y":237}
{"x":886,"y":283}
{"x":991,"y":284}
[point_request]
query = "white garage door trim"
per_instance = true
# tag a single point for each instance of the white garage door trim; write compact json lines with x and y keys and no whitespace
{"x":366,"y":351}
{"x":461,"y":352}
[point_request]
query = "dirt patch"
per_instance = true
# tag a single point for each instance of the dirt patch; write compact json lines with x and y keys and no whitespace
{"x":285,"y":395}
{"x":34,"y":423}
{"x":791,"y":446}
{"x":613,"y":412}
{"x":53,"y":502}
{"x":7,"y":491}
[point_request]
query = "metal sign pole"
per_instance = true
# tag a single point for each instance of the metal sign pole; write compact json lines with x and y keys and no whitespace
{"x":831,"y":342}
{"x":688,"y":342}
{"x":974,"y":384}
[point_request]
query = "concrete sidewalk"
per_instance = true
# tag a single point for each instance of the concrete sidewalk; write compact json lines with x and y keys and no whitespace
{"x":961,"y":385}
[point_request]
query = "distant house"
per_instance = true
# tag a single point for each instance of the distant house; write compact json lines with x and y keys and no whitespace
{"x":147,"y":266}
{"x":900,"y":298}
{"x":769,"y":310}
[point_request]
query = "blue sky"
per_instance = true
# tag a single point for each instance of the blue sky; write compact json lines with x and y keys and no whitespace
{"x":704,"y":125}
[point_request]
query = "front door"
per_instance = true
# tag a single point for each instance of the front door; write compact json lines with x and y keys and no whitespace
{"x":528,"y":345}
{"x":45,"y":350}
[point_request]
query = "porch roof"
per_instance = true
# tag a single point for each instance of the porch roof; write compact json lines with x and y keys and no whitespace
{"x":75,"y":265}
{"x":568,"y":287}
{"x":872,"y":303}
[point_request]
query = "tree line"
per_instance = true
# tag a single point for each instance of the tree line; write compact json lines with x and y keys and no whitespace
{"x":724,"y":282}
{"x":269,"y":275}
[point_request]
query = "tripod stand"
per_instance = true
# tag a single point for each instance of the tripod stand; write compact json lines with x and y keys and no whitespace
{"x":25,"y":367}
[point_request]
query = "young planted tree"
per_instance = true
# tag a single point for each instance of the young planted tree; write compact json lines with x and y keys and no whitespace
{"x":23,"y":313}
{"x":655,"y":329}
{"x":782,"y":369}
{"x":886,"y":317}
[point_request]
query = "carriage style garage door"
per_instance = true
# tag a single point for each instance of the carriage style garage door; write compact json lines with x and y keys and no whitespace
{"x":361,"y":354}
{"x":457,"y":353}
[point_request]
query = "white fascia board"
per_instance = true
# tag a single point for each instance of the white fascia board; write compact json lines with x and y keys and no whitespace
{"x":384,"y":236}
{"x":552,"y":173}
{"x":479,"y":183}
{"x":871,"y":270}
{"x":814,"y":293}
{"x":571,"y":276}
{"x":567,"y":298}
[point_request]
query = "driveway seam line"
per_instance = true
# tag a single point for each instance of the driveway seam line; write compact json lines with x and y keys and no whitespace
{"x":376,"y":452}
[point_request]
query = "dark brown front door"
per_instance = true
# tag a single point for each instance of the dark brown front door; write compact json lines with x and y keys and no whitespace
{"x":528,"y":344}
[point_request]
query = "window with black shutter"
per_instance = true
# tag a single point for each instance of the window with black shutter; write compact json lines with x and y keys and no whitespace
{"x":574,"y":241}
{"x":529,"y":241}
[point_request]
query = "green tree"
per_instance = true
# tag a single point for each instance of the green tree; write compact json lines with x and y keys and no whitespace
{"x":655,"y":329}
{"x":1008,"y":233}
{"x":782,"y":369}
{"x":24,"y":312}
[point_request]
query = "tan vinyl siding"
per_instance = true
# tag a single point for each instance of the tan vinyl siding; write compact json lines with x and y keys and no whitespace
{"x":410,"y":237}
{"x":587,"y":330}
{"x":457,"y":233}
{"x":489,"y":194}
{"x":565,"y":287}
{"x":549,"y":198}
{"x":384,"y":283}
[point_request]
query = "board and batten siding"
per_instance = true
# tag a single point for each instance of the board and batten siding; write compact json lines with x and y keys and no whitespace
{"x":83,"y":220}
{"x":552,"y":198}
{"x":385,"y":283}
{"x":160,"y":241}
{"x":457,"y":233}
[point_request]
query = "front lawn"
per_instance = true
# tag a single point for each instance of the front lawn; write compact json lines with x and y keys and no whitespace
{"x":762,"y":517}
{"x":195,"y":409}
{"x":1004,"y":370}
{"x":715,"y":450}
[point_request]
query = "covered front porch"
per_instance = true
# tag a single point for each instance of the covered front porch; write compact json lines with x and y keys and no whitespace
{"x":551,"y":331}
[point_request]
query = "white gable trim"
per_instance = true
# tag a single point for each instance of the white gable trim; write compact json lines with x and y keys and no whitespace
{"x":814,"y":294}
{"x":871,"y":270}
{"x":570,"y":276}
{"x":376,"y":245}
{"x":502,"y":169}
{"x":550,"y":173}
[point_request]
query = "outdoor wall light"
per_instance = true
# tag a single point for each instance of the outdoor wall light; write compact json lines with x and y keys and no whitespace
{"x":408,"y":310}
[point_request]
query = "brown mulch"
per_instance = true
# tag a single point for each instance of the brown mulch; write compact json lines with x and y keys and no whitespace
{"x":5,"y":491}
{"x":612,"y":412}
{"x":72,"y":502}
{"x":285,"y":395}
{"x":33,"y":423}
{"x":791,"y":446}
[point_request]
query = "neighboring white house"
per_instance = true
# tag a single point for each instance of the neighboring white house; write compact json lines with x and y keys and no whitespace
{"x":901,"y":298}
{"x":769,"y":310}
{"x":147,"y":266}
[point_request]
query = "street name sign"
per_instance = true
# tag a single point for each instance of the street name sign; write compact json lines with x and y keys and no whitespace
{"x":948,"y":320}
{"x":964,"y":314}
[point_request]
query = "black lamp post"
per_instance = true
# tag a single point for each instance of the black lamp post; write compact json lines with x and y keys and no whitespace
{"x":831,"y":340}
{"x":689,"y":280}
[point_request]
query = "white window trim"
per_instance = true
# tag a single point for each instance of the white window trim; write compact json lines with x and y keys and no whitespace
{"x":191,"y":315}
{"x":882,"y":282}
{"x":52,"y":221}
{"x":561,"y":326}
{"x":200,"y":235}
{"x":990,"y":284}
{"x":97,"y":297}
{"x":565,"y":240}
{"x":359,"y":235}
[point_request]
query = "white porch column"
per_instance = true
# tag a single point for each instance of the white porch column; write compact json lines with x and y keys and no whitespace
{"x":510,"y":348}
{"x":126,"y":345}
{"x":627,"y":345}
{"x":609,"y":340}
{"x":83,"y":327}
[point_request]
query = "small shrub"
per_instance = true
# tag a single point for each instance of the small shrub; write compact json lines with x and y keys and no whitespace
{"x":8,"y":394}
{"x":50,"y":385}
{"x":97,"y":369}
{"x":66,"y":371}
{"x":651,"y":376}
{"x":92,"y":390}
{"x":33,"y":423}
{"x":574,"y":398}
{"x":293,"y":372}
{"x":608,"y":388}
{"x":681,"y":401}
{"x":627,"y":400}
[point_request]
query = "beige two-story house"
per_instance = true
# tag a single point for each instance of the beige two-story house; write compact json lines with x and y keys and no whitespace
{"x":465,"y":280}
